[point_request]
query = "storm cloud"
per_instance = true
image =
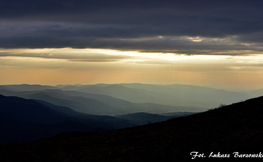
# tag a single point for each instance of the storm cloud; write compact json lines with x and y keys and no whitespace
{"x":228,"y":27}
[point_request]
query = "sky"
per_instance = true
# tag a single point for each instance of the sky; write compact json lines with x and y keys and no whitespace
{"x":198,"y":42}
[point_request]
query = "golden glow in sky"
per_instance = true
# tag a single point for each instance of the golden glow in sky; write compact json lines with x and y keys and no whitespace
{"x":90,"y":66}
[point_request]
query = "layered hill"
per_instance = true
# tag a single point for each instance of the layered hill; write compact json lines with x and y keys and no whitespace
{"x":118,"y":99}
{"x":29,"y":120}
{"x":97,"y":104}
{"x":228,"y":129}
{"x":173,"y":95}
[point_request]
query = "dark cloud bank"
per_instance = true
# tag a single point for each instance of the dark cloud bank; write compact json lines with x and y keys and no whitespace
{"x":188,"y":26}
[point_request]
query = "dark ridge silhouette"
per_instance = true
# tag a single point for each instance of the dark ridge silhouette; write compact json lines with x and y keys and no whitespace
{"x":29,"y":120}
{"x":142,"y":118}
{"x":81,"y":102}
{"x":179,"y":114}
{"x":28,"y":110}
{"x":228,"y":129}
{"x":58,"y":97}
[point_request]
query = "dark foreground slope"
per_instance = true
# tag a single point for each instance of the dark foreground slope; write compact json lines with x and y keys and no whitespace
{"x":237,"y":127}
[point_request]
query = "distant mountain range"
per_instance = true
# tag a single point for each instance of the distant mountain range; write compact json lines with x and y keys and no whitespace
{"x":117,"y":99}
{"x":236,"y":128}
{"x":31,"y":112}
{"x":179,"y":95}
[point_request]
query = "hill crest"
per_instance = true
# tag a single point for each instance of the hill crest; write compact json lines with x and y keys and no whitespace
{"x":236,"y":127}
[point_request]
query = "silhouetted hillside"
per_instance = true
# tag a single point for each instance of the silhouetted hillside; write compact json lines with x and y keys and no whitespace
{"x":81,"y":102}
{"x":28,"y":110}
{"x":29,"y":120}
{"x":233,"y":128}
{"x":143,"y":118}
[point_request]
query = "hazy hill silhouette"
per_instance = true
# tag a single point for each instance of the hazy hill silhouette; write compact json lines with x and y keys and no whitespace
{"x":256,"y":93}
{"x":79,"y":101}
{"x":117,"y":99}
{"x":124,"y":94}
{"x":26,"y":87}
{"x":237,"y":127}
{"x":173,"y":95}
{"x":96,"y":104}
{"x":190,"y":95}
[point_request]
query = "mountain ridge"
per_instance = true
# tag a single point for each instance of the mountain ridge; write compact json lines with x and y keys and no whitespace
{"x":227,"y":129}
{"x":29,"y":120}
{"x":106,"y":105}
